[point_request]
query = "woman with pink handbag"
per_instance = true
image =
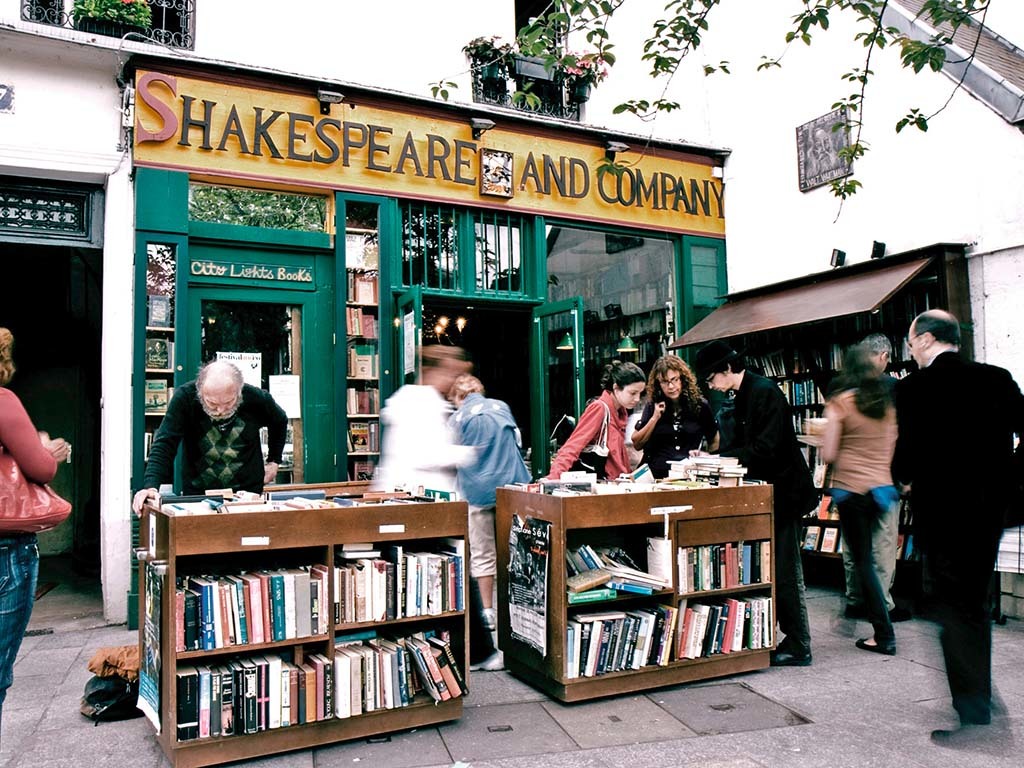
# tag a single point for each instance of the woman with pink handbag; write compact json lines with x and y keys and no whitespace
{"x":35,"y":457}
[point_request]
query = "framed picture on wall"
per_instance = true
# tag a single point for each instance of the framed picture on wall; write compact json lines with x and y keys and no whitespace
{"x":496,"y":168}
{"x":818,"y":147}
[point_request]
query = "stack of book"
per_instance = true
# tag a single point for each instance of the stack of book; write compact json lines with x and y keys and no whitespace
{"x":723,"y":566}
{"x":732,"y":625}
{"x":250,"y":608}
{"x":721,"y":471}
{"x":372,"y":588}
{"x":599,"y":573}
{"x":266,"y":692}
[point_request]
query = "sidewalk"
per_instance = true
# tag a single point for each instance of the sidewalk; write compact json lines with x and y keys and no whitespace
{"x":850,"y":708}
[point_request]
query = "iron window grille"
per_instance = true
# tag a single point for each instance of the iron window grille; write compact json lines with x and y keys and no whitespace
{"x":173,"y":20}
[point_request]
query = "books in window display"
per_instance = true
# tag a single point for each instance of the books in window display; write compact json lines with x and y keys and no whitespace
{"x":157,"y":396}
{"x":159,"y":353}
{"x":159,"y":311}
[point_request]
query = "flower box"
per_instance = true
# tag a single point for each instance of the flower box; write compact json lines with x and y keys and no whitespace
{"x":533,"y":67}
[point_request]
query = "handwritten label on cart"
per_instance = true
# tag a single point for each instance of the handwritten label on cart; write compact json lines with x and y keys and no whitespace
{"x":396,"y":528}
{"x":671,"y":510}
{"x":255,"y":541}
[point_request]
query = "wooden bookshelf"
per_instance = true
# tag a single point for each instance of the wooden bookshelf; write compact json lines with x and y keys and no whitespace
{"x":233,"y":542}
{"x":717,"y":515}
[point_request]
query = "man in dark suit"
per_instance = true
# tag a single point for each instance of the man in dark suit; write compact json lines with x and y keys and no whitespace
{"x":955,"y":451}
{"x":765,"y":443}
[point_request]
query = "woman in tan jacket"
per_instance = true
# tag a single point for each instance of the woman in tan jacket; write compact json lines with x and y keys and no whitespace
{"x":859,"y":441}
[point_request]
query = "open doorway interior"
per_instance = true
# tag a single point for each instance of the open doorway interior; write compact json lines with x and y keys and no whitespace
{"x":53,"y":306}
{"x":498,"y":342}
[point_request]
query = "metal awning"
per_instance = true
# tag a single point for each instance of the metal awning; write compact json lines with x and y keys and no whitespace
{"x":833,"y":295}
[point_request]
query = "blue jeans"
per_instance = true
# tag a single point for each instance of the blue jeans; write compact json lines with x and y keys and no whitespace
{"x":19,"y":569}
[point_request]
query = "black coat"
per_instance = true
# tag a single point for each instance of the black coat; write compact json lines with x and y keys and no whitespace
{"x":765,"y":443}
{"x":955,"y":444}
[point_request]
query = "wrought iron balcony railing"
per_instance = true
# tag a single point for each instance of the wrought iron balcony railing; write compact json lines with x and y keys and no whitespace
{"x":492,"y":85}
{"x":173,"y":20}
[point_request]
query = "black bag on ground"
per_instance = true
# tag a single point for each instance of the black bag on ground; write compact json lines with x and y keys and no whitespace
{"x":110,"y":698}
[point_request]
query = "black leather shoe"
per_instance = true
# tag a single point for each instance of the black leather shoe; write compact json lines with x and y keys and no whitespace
{"x":787,"y":659}
{"x":885,"y":650}
{"x":964,"y":736}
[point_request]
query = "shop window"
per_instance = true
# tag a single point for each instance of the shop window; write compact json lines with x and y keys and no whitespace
{"x":430,"y":256}
{"x":257,"y":208}
{"x":626,"y":282}
{"x":499,"y":256}
{"x":707,"y":276}
{"x":173,"y":20}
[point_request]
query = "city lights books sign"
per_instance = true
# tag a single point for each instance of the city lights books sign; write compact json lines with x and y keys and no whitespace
{"x":228,"y":130}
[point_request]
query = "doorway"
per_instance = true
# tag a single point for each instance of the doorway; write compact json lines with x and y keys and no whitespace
{"x":53,"y":306}
{"x":498,"y":342}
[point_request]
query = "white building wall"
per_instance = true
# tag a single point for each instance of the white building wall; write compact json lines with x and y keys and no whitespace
{"x":66,"y":126}
{"x":959,"y":182}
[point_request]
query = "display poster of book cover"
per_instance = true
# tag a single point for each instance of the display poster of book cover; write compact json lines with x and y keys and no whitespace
{"x":159,"y":311}
{"x":529,"y":544}
{"x":158,"y":394}
{"x":159,"y":354}
{"x":149,"y":666}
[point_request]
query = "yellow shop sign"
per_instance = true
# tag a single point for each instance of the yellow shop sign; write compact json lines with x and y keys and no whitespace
{"x":242,"y":133}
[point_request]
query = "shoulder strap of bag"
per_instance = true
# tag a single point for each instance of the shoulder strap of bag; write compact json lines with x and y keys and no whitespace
{"x":603,"y":439}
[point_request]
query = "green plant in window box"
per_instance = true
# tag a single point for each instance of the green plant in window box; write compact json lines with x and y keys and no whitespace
{"x":580,"y":73}
{"x":491,"y":57}
{"x":114,"y":18}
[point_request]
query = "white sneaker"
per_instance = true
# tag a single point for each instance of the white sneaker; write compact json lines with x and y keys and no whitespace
{"x":493,"y":663}
{"x":490,"y":617}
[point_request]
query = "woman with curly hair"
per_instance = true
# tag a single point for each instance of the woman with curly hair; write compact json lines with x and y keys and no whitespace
{"x":676,"y":417}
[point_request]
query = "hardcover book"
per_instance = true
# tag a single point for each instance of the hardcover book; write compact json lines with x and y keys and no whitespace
{"x":159,"y":353}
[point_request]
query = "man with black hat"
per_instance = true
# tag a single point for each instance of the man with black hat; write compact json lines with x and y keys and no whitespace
{"x":766,"y":444}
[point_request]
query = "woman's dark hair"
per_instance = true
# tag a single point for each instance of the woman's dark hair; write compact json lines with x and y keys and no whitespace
{"x":621,"y":374}
{"x":873,"y":397}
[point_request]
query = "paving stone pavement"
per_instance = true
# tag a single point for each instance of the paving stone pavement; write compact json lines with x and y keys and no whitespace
{"x":849,"y":709}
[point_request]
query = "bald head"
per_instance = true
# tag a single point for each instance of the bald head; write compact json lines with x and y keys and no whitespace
{"x":219,"y":387}
{"x":932,"y":333}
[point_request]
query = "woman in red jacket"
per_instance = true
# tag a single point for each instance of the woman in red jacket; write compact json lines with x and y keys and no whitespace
{"x":37,"y":457}
{"x":622,"y":385}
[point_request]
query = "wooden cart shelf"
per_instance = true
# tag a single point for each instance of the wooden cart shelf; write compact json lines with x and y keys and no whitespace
{"x":691,"y":517}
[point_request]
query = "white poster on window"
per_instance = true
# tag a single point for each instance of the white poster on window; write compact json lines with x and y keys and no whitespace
{"x":286,"y":393}
{"x":249,"y":363}
{"x":409,"y":335}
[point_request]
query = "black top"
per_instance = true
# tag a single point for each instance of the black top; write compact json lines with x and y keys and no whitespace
{"x":217,"y":454}
{"x":676,"y":434}
{"x":955,"y":445}
{"x":766,"y":445}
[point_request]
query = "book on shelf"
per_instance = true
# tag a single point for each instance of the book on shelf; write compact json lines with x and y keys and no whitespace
{"x":362,"y":361}
{"x":811,"y":536}
{"x":159,"y":353}
{"x":359,"y":436}
{"x":158,"y":313}
{"x":363,"y":287}
{"x":829,"y":539}
{"x":588,"y":579}
{"x":591,"y":595}
{"x":158,"y":394}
